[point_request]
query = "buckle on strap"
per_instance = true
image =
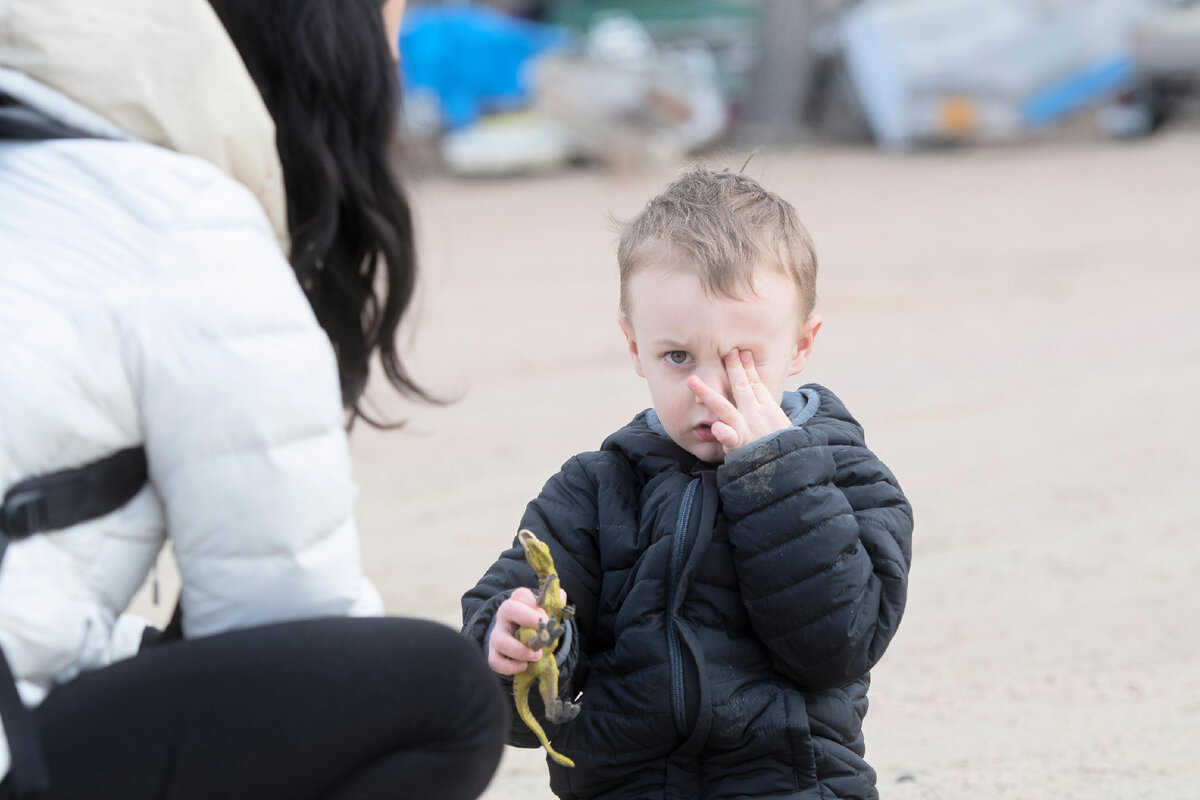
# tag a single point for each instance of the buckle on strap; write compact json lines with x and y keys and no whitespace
{"x":70,"y":496}
{"x":23,"y":512}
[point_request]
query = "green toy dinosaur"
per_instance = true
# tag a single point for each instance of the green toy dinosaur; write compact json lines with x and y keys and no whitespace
{"x":544,"y":638}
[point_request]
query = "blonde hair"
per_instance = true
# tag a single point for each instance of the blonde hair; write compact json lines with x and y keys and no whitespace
{"x":725,"y":225}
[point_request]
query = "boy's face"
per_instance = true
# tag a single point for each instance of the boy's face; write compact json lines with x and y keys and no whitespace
{"x":676,"y":329}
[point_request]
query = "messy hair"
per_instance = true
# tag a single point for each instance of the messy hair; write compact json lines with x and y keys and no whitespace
{"x":724,"y":225}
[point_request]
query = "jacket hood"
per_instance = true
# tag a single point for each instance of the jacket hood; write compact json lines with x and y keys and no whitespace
{"x":648,"y":448}
{"x":163,"y":72}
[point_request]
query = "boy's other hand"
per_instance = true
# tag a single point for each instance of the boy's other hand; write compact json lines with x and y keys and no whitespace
{"x":506,"y":654}
{"x":753,"y":414}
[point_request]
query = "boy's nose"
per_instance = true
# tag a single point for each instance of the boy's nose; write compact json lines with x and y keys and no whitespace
{"x":717,"y":379}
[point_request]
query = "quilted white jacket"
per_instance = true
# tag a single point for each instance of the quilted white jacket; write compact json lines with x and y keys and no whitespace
{"x":145,"y":298}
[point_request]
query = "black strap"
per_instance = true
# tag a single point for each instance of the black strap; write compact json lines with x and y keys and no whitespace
{"x":174,"y":630}
{"x":19,"y":122}
{"x":50,"y":502}
{"x":61,"y":499}
{"x":27,"y":772}
{"x":43,"y":503}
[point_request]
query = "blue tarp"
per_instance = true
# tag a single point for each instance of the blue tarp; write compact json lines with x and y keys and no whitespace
{"x":1079,"y":90}
{"x":472,"y":59}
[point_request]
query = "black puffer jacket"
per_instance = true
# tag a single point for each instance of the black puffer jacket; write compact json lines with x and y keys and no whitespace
{"x":727,"y":616}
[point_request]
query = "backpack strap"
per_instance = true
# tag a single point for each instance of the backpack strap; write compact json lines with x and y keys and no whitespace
{"x":45,"y":503}
{"x":27,"y":772}
{"x":66,"y":498}
{"x":19,"y":122}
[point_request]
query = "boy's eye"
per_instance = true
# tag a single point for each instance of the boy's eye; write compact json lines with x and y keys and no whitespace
{"x":677,"y":357}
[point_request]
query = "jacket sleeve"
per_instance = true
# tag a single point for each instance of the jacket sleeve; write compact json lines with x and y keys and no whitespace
{"x":821,"y":537}
{"x":243,"y":425}
{"x":565,"y":517}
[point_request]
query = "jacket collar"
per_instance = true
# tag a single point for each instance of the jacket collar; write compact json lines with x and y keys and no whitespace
{"x":645,"y":442}
{"x":161,"y":72}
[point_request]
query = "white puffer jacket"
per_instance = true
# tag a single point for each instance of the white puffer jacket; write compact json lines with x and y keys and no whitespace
{"x":145,"y":298}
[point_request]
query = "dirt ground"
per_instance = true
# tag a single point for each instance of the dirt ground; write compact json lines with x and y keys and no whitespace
{"x":1017,"y":330}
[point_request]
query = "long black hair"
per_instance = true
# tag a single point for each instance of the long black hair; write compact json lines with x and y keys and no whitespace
{"x":326,"y":73}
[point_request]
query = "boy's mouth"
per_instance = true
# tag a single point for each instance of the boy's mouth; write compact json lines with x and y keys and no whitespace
{"x":703,"y":432}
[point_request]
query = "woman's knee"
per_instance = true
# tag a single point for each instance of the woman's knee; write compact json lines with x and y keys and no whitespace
{"x":449,"y":682}
{"x":475,"y":687}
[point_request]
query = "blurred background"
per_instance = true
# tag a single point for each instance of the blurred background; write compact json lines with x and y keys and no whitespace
{"x":513,"y":86}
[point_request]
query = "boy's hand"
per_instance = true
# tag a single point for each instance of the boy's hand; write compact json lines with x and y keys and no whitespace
{"x":506,"y":654}
{"x":753,"y":414}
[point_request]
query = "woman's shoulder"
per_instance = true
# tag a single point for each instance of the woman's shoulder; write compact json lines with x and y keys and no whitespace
{"x":146,"y":189}
{"x":125,"y":256}
{"x":110,"y":220}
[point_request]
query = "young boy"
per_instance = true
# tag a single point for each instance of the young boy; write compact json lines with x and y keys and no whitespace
{"x":737,"y":557}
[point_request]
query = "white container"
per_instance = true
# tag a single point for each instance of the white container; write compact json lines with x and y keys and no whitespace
{"x":937,"y":70}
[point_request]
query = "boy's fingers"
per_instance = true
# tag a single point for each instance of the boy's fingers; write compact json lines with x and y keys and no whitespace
{"x":524,"y":595}
{"x":511,"y":648}
{"x":532,"y":617}
{"x":739,"y":378}
{"x":756,"y":384}
{"x":506,"y":665}
{"x":726,"y":435}
{"x":506,"y":654}
{"x":766,"y":415}
{"x":516,"y":612}
{"x":716,"y":402}
{"x":524,"y":598}
{"x":729,"y":418}
{"x":524,"y":616}
{"x":503,"y":667}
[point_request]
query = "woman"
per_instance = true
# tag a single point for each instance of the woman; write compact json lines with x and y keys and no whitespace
{"x":147,"y":301}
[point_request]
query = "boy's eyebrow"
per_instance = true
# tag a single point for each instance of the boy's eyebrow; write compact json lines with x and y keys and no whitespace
{"x":669,"y":342}
{"x":666,"y":343}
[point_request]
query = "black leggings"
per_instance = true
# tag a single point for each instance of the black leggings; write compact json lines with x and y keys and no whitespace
{"x":326,"y":708}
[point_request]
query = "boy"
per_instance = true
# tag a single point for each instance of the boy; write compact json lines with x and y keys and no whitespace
{"x":737,"y":557}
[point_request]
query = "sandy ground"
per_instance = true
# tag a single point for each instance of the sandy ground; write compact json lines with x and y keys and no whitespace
{"x":1017,"y":330}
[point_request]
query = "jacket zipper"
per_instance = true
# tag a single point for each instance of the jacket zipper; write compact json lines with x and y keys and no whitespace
{"x":678,"y":696}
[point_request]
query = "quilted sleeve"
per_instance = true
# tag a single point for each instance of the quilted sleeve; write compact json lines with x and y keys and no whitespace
{"x":821,"y":537}
{"x":565,"y":517}
{"x":243,"y":424}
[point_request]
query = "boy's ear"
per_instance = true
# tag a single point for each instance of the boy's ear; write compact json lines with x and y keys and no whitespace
{"x":804,"y":344}
{"x":627,"y":329}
